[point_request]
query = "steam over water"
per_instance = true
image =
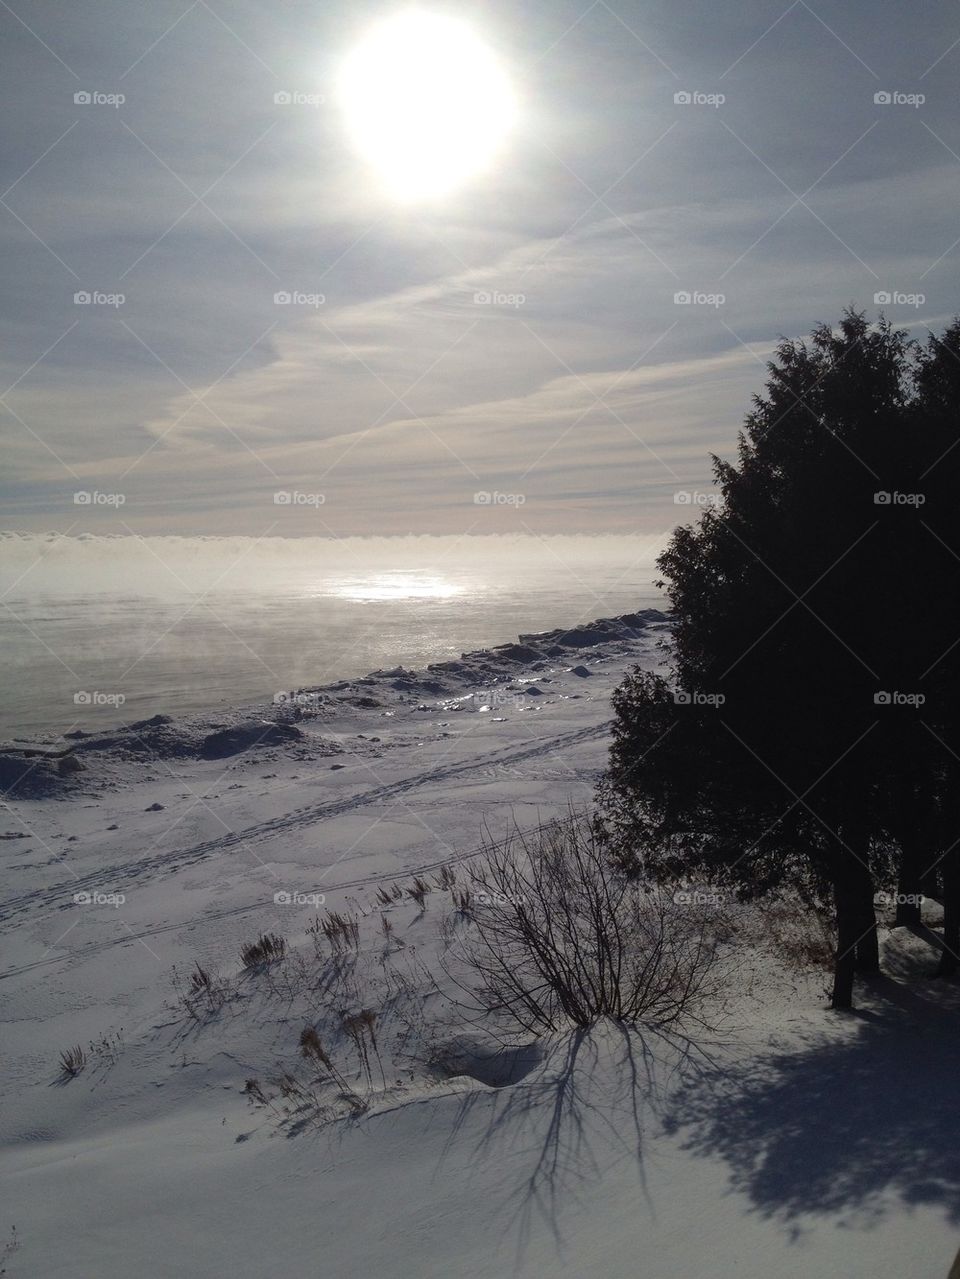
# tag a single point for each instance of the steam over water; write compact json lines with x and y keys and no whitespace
{"x":102,"y":630}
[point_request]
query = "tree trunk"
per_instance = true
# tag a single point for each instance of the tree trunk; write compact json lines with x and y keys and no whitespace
{"x":857,"y":947}
{"x":914,"y":831}
{"x":868,"y":945}
{"x":846,"y":956}
{"x":909,"y":888}
{"x":950,"y":955}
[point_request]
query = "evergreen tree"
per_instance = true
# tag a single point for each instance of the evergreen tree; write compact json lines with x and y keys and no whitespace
{"x":812,"y":612}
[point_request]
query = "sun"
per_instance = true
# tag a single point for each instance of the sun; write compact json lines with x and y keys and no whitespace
{"x":426,"y":102}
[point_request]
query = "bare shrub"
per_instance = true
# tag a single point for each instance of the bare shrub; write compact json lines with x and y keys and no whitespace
{"x":383,"y":897}
{"x":800,"y":932}
{"x":72,"y":1061}
{"x":562,"y":937}
{"x":269,"y":948}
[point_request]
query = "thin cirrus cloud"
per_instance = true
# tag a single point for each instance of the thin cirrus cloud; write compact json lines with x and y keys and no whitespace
{"x":522,"y":335}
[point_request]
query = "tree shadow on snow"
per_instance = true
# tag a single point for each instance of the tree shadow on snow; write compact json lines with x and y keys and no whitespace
{"x":839,"y":1125}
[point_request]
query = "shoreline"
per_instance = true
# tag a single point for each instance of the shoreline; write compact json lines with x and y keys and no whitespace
{"x":48,"y":765}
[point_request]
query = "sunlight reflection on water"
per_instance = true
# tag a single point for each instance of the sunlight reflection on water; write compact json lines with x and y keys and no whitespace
{"x":400,"y":584}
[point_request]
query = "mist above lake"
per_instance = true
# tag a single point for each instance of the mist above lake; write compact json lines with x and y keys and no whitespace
{"x":172,"y":624}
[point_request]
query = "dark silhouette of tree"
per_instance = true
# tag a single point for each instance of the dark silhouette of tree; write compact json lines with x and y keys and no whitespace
{"x":813,"y":609}
{"x":936,"y":426}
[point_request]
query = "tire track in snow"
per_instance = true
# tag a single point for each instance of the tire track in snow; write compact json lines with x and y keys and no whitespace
{"x":127,"y":875}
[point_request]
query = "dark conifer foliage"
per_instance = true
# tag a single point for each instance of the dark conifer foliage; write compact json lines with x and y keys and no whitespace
{"x":808,"y":734}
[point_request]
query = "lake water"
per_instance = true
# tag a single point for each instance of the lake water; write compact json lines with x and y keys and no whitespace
{"x":183,"y":624}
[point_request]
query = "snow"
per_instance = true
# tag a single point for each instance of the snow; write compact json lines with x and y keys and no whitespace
{"x":788,"y":1142}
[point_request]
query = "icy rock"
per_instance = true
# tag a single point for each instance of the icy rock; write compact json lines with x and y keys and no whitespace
{"x":232,"y":741}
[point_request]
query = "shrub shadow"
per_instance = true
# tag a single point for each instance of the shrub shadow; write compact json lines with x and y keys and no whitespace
{"x":588,"y":1109}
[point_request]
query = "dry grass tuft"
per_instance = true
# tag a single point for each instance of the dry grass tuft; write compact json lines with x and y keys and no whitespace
{"x":418,"y":890}
{"x":269,"y":948}
{"x":72,"y":1061}
{"x":341,"y":931}
{"x":312,"y":1048}
{"x":447,"y":878}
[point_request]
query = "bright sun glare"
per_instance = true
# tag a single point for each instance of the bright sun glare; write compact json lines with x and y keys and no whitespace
{"x":399,"y":584}
{"x":427,"y":103}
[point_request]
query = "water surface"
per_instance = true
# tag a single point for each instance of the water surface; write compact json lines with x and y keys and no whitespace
{"x":182,"y":624}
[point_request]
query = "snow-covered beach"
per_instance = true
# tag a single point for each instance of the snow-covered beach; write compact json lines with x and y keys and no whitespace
{"x":173,"y":1151}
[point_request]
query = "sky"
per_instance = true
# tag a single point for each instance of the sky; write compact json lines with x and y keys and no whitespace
{"x":506,"y":356}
